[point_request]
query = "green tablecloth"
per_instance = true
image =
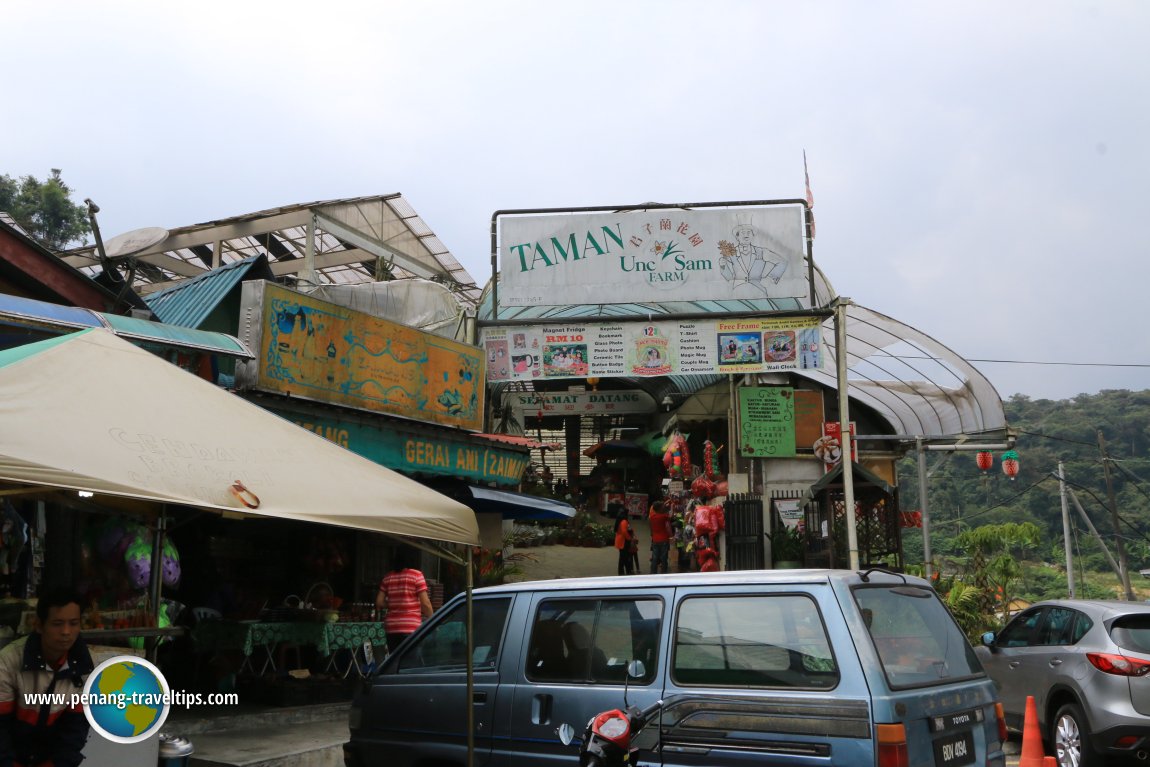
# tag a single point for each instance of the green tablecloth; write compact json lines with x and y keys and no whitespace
{"x":246,"y":636}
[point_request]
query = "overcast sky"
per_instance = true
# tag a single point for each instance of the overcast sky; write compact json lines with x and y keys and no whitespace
{"x":980,"y":169}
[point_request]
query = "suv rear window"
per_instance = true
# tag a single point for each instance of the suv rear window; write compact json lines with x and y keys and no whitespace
{"x":1132,"y":632}
{"x":753,"y":641}
{"x":917,"y":640}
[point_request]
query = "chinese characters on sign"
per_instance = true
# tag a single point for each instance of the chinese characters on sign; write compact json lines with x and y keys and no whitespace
{"x":751,"y":252}
{"x":643,"y":350}
{"x":767,"y":421}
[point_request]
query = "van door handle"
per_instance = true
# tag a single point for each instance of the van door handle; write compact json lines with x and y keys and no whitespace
{"x":479,"y":697}
{"x":541,"y":709}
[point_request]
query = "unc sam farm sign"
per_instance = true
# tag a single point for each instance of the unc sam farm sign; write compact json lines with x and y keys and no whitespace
{"x":656,"y":255}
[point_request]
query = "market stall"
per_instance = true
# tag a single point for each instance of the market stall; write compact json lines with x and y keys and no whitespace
{"x":90,"y":414}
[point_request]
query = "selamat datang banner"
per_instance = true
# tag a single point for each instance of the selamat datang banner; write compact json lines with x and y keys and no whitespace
{"x":638,"y":256}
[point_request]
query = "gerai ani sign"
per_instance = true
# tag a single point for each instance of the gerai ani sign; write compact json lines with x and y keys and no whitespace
{"x":661,"y":255}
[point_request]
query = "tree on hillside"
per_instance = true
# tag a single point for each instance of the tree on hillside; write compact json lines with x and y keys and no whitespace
{"x":45,"y":209}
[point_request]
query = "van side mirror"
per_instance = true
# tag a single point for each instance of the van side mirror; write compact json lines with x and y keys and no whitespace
{"x":566,"y":734}
{"x":636,"y":669}
{"x":988,"y":639}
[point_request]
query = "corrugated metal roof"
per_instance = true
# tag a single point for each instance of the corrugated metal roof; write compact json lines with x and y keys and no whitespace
{"x":188,"y":303}
{"x":26,"y":312}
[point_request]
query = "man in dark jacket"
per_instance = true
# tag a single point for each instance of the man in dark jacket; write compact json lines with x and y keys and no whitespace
{"x":51,"y":660}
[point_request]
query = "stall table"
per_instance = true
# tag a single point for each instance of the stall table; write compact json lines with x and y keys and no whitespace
{"x":257,"y":641}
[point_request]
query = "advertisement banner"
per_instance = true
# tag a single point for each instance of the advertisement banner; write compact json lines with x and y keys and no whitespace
{"x":829,"y":447}
{"x":638,"y":350}
{"x":579,"y":403}
{"x":321,"y":351}
{"x":656,"y":255}
{"x":767,"y":421}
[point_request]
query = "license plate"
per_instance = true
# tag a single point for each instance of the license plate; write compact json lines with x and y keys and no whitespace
{"x":954,"y":749}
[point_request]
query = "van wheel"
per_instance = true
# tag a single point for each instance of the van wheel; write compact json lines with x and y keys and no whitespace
{"x":1070,"y":736}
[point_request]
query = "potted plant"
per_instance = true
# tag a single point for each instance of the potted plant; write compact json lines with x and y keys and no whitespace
{"x":788,"y":548}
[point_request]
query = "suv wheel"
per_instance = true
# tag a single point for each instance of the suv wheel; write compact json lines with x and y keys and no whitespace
{"x":1071,"y":738}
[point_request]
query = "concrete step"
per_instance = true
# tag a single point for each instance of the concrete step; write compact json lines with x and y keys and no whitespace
{"x":190,"y":723}
{"x":310,"y":744}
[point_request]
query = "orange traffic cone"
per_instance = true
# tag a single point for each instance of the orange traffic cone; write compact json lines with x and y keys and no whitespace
{"x":1032,"y":753}
{"x":1049,"y":761}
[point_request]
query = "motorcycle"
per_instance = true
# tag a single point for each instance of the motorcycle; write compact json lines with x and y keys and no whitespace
{"x":607,"y":739}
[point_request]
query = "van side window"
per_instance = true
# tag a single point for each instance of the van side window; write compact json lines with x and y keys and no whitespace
{"x":753,"y":641}
{"x":593,"y":640}
{"x":444,"y":646}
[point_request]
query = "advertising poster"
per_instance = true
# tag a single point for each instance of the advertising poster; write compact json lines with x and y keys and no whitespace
{"x":717,"y":254}
{"x":829,"y":447}
{"x":321,"y":351}
{"x":698,"y":347}
{"x":767,"y":421}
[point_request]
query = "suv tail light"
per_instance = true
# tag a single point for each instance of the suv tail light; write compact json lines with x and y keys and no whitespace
{"x":1118,"y":664}
{"x":892,"y":750}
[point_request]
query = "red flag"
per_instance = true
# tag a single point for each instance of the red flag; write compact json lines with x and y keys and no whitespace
{"x":810,"y":194}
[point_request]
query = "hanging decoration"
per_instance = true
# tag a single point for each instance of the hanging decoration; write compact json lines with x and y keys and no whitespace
{"x":1010,"y":464}
{"x":703,"y":488}
{"x":676,"y":457}
{"x":984,"y":459}
{"x":709,"y":459}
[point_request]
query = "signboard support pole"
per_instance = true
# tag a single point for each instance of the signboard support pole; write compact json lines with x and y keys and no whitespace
{"x":926,"y":552}
{"x":845,"y":430}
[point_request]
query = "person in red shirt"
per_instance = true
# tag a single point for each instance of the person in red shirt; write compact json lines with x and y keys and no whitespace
{"x":623,"y":537}
{"x":660,"y":537}
{"x":403,"y":594}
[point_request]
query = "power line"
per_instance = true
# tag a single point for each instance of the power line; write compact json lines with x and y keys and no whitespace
{"x":1059,"y":439}
{"x":998,"y":505}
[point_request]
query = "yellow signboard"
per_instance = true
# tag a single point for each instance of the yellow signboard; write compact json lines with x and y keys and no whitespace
{"x":321,"y":351}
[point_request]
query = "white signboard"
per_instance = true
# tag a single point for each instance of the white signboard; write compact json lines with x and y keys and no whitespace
{"x":655,"y":255}
{"x":580,"y":402}
{"x":704,"y":347}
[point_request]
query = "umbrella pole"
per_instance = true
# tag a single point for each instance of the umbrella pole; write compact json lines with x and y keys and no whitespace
{"x":470,"y":665}
{"x":156,"y":576}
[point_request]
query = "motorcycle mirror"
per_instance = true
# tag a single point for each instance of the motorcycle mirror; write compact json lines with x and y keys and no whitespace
{"x":566,"y":734}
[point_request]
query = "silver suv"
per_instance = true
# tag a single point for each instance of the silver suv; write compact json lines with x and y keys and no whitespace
{"x":1087,"y":664}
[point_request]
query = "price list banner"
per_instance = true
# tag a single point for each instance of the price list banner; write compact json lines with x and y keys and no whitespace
{"x":637,"y":350}
{"x":767,"y":421}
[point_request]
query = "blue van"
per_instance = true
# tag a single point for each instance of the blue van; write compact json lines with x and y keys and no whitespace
{"x":780,"y":667}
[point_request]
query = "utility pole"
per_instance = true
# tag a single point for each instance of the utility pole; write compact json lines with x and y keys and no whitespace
{"x":1066,"y":532}
{"x":845,"y":430}
{"x":1118,"y":544}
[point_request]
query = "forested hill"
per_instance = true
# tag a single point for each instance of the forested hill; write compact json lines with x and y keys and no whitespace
{"x":962,"y":497}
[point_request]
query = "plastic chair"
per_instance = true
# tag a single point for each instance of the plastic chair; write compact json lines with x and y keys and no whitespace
{"x":206,"y":614}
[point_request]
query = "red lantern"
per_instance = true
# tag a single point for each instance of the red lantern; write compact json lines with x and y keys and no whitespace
{"x":1010,"y":464}
{"x":984,"y":459}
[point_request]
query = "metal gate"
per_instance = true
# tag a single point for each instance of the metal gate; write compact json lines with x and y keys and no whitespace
{"x":744,"y":520}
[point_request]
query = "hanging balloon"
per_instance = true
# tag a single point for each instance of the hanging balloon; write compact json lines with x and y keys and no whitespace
{"x":709,"y":459}
{"x":1010,"y":464}
{"x":138,"y":558}
{"x":984,"y":459}
{"x":702,"y":487}
{"x":170,"y":564}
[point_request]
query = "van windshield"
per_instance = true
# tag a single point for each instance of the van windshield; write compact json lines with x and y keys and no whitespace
{"x":917,"y":640}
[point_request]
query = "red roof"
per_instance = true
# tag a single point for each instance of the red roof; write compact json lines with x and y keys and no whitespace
{"x":527,"y":442}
